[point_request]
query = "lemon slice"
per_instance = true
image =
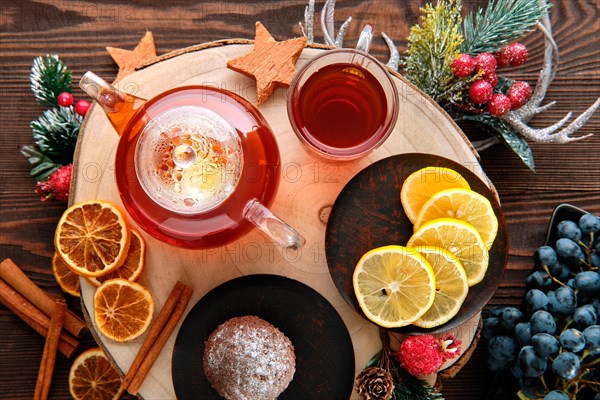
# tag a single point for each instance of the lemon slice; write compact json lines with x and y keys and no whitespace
{"x":451,"y":286}
{"x":394,"y":285}
{"x":463,"y":204}
{"x":423,"y":184}
{"x":461,"y":239}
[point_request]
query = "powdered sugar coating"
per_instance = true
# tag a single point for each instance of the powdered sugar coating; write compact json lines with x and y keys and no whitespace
{"x":247,"y":358}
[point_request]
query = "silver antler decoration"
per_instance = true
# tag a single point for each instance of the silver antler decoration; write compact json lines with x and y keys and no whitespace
{"x":327,"y":26}
{"x":518,"y":119}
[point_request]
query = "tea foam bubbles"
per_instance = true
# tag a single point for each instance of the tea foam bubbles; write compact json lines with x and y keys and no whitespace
{"x":188,"y":159}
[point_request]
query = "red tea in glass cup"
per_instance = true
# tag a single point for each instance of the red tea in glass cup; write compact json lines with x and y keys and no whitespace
{"x":343,"y":104}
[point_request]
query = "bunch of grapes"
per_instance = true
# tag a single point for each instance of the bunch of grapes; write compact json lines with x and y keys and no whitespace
{"x":552,"y":344}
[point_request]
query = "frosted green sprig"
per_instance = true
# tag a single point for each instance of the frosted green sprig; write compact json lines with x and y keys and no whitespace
{"x":432,"y":46}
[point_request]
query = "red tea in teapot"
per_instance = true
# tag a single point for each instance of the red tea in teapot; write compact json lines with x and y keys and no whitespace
{"x":190,"y":161}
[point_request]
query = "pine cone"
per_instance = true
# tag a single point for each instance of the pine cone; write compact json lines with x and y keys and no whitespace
{"x":374,"y":383}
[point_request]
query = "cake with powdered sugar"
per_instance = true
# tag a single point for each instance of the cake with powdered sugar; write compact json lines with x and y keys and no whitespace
{"x":247,"y":358}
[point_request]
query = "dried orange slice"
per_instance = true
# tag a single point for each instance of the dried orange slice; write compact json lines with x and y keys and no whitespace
{"x":67,"y":279}
{"x":92,"y":238}
{"x":92,"y":377}
{"x":133,"y":266}
{"x":122,"y":309}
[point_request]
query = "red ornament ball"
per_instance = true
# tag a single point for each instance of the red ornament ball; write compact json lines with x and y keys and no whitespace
{"x":519,"y":54}
{"x":518,"y":94}
{"x":65,"y":99}
{"x":480,"y":92}
{"x":485,"y":63}
{"x":492,"y":79}
{"x":505,"y":56}
{"x":499,"y":105}
{"x":82,"y":107}
{"x":463,"y":65}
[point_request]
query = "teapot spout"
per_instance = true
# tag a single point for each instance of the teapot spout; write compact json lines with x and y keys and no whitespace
{"x":118,"y":106}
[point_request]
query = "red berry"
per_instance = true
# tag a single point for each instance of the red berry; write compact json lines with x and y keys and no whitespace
{"x":463,"y":65}
{"x":518,"y":94}
{"x":505,"y":56}
{"x":82,"y":107}
{"x":499,"y":105}
{"x":492,"y":79}
{"x":65,"y":99}
{"x":485,"y":62}
{"x":480,"y":92}
{"x":519,"y":52}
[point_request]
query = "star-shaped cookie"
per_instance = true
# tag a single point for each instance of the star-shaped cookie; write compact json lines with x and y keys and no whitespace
{"x":127,"y":60}
{"x":270,"y":62}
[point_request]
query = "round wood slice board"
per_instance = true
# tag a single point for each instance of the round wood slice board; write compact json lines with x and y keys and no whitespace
{"x":308,"y":188}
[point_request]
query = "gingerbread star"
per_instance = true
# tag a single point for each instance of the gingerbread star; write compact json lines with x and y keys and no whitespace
{"x":127,"y":60}
{"x":271,"y":63}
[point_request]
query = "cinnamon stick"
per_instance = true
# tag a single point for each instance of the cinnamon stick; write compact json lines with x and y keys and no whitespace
{"x":42,"y":387}
{"x":35,"y":318}
{"x":160,"y":342}
{"x":16,"y":278}
{"x":154,"y":331}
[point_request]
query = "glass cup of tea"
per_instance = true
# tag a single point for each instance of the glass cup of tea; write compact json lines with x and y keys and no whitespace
{"x":343,"y":104}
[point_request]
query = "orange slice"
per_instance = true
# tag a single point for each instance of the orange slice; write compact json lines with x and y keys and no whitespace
{"x":122,"y":309}
{"x":133,"y":266}
{"x":92,"y":377}
{"x":92,"y":238}
{"x":67,"y":279}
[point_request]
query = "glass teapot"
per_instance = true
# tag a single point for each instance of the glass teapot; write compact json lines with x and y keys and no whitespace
{"x":195,"y":166}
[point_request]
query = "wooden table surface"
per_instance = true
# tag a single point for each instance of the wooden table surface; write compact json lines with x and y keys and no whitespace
{"x":79,"y":31}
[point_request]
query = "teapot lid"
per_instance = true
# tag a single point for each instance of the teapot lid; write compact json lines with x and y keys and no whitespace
{"x":188,"y":159}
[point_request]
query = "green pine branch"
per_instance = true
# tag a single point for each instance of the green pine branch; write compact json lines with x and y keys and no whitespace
{"x":502,"y":22}
{"x":432,"y":46}
{"x":49,"y":77}
{"x":55,"y":133}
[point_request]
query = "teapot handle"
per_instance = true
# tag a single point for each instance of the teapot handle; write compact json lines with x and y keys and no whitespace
{"x":273,"y":226}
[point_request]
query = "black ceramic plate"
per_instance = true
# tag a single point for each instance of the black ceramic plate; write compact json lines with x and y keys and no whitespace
{"x":324,"y":353}
{"x":368,"y":214}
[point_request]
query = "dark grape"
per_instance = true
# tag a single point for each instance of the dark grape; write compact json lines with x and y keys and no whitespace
{"x":597,"y":245}
{"x":532,"y":388}
{"x":542,"y":322}
{"x":571,"y":283}
{"x":595,"y":260}
{"x":491,"y":326}
{"x":496,"y":364}
{"x":531,"y":363}
{"x":523,"y":333}
{"x":516,"y":371}
{"x":566,"y":365}
{"x":592,"y":338}
{"x":569,"y":251}
{"x":536,"y":300}
{"x":538,"y":280}
{"x":589,"y":223}
{"x":495,"y":311}
{"x":570,"y":230}
{"x":563,"y":302}
{"x":560,"y":271}
{"x":545,"y":345}
{"x":509,"y":318}
{"x":503,"y":348}
{"x":585,"y":316}
{"x":588,"y":283}
{"x":556,"y":395}
{"x":572,"y":340}
{"x":545,"y":255}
